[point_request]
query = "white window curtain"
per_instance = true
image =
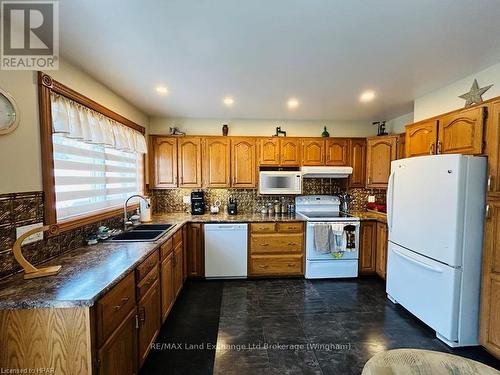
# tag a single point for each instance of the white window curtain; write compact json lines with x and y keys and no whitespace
{"x":79,"y":122}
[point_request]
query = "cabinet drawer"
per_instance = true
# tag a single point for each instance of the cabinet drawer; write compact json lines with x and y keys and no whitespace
{"x":145,"y":267}
{"x":166,"y":248}
{"x":272,"y":243}
{"x":276,"y":265}
{"x":290,"y":227}
{"x":263,"y":227}
{"x":114,"y":307}
{"x":145,"y":284}
{"x":177,"y":237}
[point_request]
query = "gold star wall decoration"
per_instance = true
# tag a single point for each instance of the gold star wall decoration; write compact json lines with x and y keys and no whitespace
{"x":474,"y":96}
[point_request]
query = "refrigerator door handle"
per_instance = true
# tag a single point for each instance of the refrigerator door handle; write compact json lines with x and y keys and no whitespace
{"x":390,"y":193}
{"x":410,"y":259}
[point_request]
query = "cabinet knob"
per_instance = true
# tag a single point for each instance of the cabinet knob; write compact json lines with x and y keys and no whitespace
{"x":265,"y":244}
{"x":439,"y":147}
{"x":432,"y":148}
{"x":487,"y":212}
{"x":490,"y":178}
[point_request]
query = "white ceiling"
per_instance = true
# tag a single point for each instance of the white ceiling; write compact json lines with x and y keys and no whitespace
{"x":261,"y":52}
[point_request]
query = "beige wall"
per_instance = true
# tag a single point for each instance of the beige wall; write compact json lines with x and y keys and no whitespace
{"x":20,"y":154}
{"x":397,"y":125}
{"x":262,"y":127}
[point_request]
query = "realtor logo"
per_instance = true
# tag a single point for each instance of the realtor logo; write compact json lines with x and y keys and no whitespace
{"x":30,"y":35}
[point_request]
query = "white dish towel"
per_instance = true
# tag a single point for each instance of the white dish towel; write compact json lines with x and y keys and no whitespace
{"x":338,"y":241}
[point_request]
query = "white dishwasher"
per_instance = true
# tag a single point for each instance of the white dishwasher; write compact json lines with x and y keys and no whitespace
{"x":226,"y":250}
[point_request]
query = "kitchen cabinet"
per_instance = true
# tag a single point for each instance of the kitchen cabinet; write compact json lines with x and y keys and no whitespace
{"x":178,"y":268}
{"x":490,"y":284}
{"x":276,"y":249}
{"x":357,"y":156}
{"x":337,"y":151}
{"x":163,"y":162}
{"x":189,"y":162}
{"x":184,"y":253}
{"x":167,"y":284}
{"x":313,"y":151}
{"x":380,"y":152}
{"x":243,"y":162}
{"x":368,"y":247}
{"x":216,"y":162}
{"x":269,"y":151}
{"x":149,"y":318}
{"x":276,"y":151}
{"x":421,"y":138}
{"x":381,"y":261}
{"x":195,"y":260}
{"x":289,"y":151}
{"x":462,"y":132}
{"x":493,"y":149}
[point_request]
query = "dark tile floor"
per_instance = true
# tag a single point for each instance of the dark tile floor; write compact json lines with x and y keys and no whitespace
{"x":287,"y":326}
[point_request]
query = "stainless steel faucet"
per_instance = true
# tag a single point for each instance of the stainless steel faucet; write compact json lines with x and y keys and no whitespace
{"x":126,"y":221}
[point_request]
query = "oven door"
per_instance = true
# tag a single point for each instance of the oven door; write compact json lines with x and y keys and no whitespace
{"x":280,"y":182}
{"x":313,"y":254}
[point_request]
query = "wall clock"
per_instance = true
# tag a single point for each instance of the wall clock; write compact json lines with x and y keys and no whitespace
{"x":9,"y":113}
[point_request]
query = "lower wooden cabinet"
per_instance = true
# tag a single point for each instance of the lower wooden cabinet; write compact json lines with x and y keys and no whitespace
{"x":195,"y":251}
{"x":167,"y":285}
{"x":178,"y":268}
{"x":117,"y":355}
{"x":367,"y":247}
{"x":381,"y":261}
{"x":149,"y":319}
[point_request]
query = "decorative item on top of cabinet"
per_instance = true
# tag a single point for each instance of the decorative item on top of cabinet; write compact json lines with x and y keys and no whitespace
{"x":368,"y":247}
{"x":216,"y":162}
{"x":337,"y":151}
{"x":490,"y":284}
{"x":195,"y":253}
{"x":381,"y":261}
{"x":380,"y":128}
{"x":493,"y":149}
{"x":163,"y":162}
{"x":189,"y":162}
{"x":313,"y":151}
{"x":225,"y":130}
{"x":381,"y":151}
{"x":243,"y":163}
{"x":357,"y":156}
{"x":325,"y":133}
{"x":474,"y":96}
{"x":462,"y":132}
{"x":421,"y":138}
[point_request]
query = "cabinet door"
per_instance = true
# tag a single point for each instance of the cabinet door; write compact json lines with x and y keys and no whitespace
{"x":313,"y":152}
{"x":381,"y":262}
{"x":379,"y":154}
{"x":178,"y":269}
{"x":358,"y":162}
{"x":368,"y":247}
{"x":493,"y":152}
{"x":490,"y":286}
{"x":421,"y":138}
{"x":189,"y":161}
{"x":216,"y":162}
{"x":462,"y":132}
{"x":167,"y":285}
{"x":196,"y":266}
{"x":118,"y":354}
{"x":184,"y":255}
{"x":149,"y":313}
{"x":269,"y":151}
{"x":289,"y":151}
{"x":337,"y":151}
{"x":243,"y":163}
{"x":163,"y":162}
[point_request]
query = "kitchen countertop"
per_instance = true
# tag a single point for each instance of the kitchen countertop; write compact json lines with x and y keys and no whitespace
{"x":90,"y":271}
{"x":370,"y":215}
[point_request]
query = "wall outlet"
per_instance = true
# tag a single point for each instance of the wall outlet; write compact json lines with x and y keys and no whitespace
{"x":34,"y":237}
{"x":186,"y":199}
{"x":371,"y":199}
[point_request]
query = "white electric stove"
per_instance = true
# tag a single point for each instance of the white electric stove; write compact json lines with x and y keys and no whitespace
{"x":325,"y":210}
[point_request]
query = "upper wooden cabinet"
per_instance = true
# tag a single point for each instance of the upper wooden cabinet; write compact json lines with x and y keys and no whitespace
{"x":357,"y":155}
{"x":337,"y":151}
{"x":216,"y":162}
{"x":380,"y":152}
{"x":189,"y":162}
{"x":421,"y":138}
{"x":163,"y":162}
{"x":493,"y":149}
{"x":275,"y":151}
{"x":243,"y":162}
{"x":462,"y":132}
{"x":313,"y":151}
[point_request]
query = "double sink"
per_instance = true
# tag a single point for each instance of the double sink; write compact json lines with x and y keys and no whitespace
{"x":143,"y":233}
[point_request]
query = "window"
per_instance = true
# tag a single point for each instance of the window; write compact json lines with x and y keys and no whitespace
{"x":91,"y":178}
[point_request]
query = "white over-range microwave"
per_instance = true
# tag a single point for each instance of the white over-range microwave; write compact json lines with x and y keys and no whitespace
{"x":280,"y":182}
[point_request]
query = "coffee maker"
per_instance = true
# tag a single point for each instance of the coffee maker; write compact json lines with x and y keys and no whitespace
{"x":197,"y":203}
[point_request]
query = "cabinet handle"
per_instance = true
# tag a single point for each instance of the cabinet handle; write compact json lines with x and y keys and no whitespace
{"x":292,"y":243}
{"x":487,"y":212}
{"x":369,"y":180}
{"x":182,"y":180}
{"x":136,"y":321}
{"x":490,"y":178}
{"x":118,"y":307}
{"x":439,"y":147}
{"x":432,"y":149}
{"x":142,"y":314}
{"x":264,"y":244}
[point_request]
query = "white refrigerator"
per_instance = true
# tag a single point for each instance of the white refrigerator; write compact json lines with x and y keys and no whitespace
{"x":436,"y":207}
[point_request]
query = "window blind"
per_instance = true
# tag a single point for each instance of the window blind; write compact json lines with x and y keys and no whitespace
{"x":91,"y":177}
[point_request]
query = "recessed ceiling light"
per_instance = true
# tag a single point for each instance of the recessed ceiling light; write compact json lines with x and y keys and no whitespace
{"x":228,"y":101}
{"x":292,"y":103}
{"x":367,"y":96}
{"x":162,"y":90}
